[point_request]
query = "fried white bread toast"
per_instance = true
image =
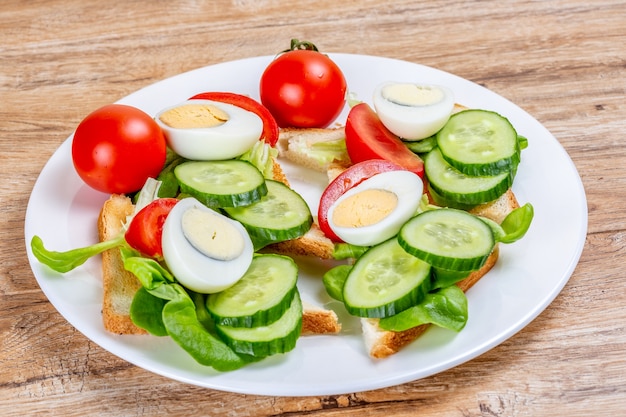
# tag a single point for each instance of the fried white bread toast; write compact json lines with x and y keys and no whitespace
{"x":118,"y":285}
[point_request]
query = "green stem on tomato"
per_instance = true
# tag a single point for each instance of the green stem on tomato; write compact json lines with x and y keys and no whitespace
{"x":66,"y":261}
{"x":301,"y":45}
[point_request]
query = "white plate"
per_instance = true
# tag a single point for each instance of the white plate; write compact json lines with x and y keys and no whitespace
{"x":529,"y":275}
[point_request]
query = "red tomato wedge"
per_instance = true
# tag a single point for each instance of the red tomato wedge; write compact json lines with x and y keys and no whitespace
{"x":146,"y":228}
{"x":348,"y":179}
{"x":270,"y":127}
{"x":367,"y":138}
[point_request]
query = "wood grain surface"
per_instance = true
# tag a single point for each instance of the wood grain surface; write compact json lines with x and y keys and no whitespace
{"x":562,"y":61}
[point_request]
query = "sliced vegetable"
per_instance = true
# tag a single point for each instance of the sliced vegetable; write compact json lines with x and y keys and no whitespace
{"x":367,"y":138}
{"x":228,"y":183}
{"x":261,"y":341}
{"x":385,"y":280}
{"x":270,"y":127}
{"x":280,"y":215}
{"x":260,"y":297}
{"x":345,"y":181}
{"x":146,"y":228}
{"x":479,"y":143}
{"x":422,"y":146}
{"x":448,"y":238}
{"x":453,"y":185}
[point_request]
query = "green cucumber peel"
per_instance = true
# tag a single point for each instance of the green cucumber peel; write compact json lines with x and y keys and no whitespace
{"x":514,"y":226}
{"x":445,"y":308}
{"x":66,"y":261}
{"x":422,"y":146}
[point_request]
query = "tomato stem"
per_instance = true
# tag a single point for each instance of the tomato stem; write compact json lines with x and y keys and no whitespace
{"x":301,"y":45}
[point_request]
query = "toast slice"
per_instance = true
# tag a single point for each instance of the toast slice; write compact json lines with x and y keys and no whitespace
{"x":119,"y":286}
{"x":294,"y":144}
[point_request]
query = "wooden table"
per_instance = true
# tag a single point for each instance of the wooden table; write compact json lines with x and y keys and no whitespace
{"x":562,"y":61}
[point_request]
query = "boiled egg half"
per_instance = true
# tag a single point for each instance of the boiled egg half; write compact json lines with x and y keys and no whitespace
{"x":413,"y":111}
{"x":206,"y":130}
{"x":375,"y":210}
{"x":206,"y":251}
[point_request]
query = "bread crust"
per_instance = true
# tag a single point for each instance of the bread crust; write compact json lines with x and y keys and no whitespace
{"x":118,"y":285}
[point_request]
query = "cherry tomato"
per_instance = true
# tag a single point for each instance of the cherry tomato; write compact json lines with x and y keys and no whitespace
{"x":303,"y":88}
{"x":348,"y":179}
{"x":117,"y":147}
{"x":270,"y":127}
{"x":146,"y":228}
{"x":367,"y":138}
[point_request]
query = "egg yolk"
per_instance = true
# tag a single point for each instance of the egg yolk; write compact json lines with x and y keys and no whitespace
{"x":212,"y":235}
{"x":191,"y":116}
{"x":412,"y":94}
{"x":365,"y":208}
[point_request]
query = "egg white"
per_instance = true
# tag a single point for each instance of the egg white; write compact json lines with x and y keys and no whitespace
{"x":408,"y":188}
{"x":225,"y":141}
{"x":413,"y":122}
{"x":192,"y":268}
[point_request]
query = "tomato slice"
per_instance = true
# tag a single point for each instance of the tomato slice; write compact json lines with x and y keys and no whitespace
{"x":348,"y":179}
{"x":146,"y":228}
{"x":367,"y":138}
{"x":270,"y":127}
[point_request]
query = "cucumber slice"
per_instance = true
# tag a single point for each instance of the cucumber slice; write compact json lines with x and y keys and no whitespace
{"x":230,"y":183}
{"x":448,"y":238}
{"x":444,"y":202}
{"x":385,"y":280}
{"x":479,"y":143}
{"x":279,"y":337}
{"x":453,"y":185}
{"x":260,"y":297}
{"x":422,"y":146}
{"x":280,"y":215}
